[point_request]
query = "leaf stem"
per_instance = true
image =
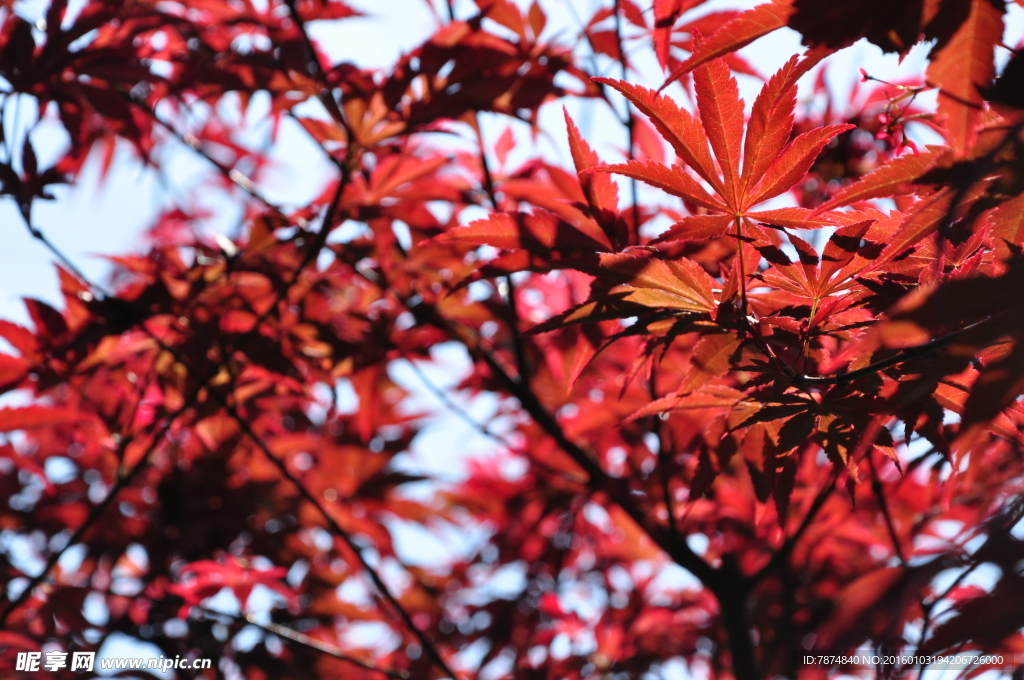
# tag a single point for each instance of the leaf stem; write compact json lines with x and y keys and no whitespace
{"x":629,"y":121}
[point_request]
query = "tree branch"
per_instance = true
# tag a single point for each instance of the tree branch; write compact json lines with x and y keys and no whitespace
{"x":598,"y":479}
{"x":124,"y":478}
{"x":59,"y":254}
{"x":800,"y":380}
{"x":663,"y":457}
{"x":337,"y":530}
{"x":240,"y":180}
{"x":518,"y":348}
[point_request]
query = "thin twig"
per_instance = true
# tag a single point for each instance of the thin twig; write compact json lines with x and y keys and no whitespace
{"x":598,"y":479}
{"x":898,"y":358}
{"x":663,"y":458}
{"x":311,"y":254}
{"x":883,"y":504}
{"x":240,"y":180}
{"x":306,"y":641}
{"x":461,"y":413}
{"x":480,"y":427}
{"x":584,"y":33}
{"x":64,"y":259}
{"x":518,"y":347}
{"x":98,"y":510}
{"x":317,"y":71}
{"x":124,"y":479}
{"x":1001,"y":524}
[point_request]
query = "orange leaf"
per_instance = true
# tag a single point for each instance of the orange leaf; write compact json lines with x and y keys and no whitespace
{"x":771,"y":118}
{"x":600,"y":190}
{"x":1008,"y":225}
{"x":650,"y":145}
{"x":999,"y":384}
{"x":673,"y":180}
{"x":675,"y":284}
{"x":965,"y":65}
{"x":794,"y":162}
{"x":770,"y":124}
{"x":792,"y":218}
{"x":527,"y":230}
{"x":12,"y":371}
{"x":698,"y":227}
{"x":395,"y":171}
{"x":721,"y":113}
{"x":711,"y":396}
{"x":923,"y":221}
{"x":711,"y":358}
{"x":892,"y":179}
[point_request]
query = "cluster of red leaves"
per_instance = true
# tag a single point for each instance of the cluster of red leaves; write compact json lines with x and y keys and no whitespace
{"x":822,"y":429}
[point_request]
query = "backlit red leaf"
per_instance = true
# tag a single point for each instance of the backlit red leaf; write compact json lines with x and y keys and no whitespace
{"x":677,"y":125}
{"x":794,"y":162}
{"x":721,"y":112}
{"x":963,"y":68}
{"x":892,"y":179}
{"x":673,"y":180}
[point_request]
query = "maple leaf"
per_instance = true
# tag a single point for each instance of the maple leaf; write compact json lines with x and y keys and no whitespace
{"x":1008,"y":226}
{"x":739,"y":175}
{"x":892,"y":26}
{"x":557,"y":232}
{"x":817,"y":277}
{"x":973,"y":313}
{"x":35,"y":416}
{"x":205,"y":578}
{"x":962,"y":65}
{"x":1006,"y":90}
{"x":653,"y":282}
